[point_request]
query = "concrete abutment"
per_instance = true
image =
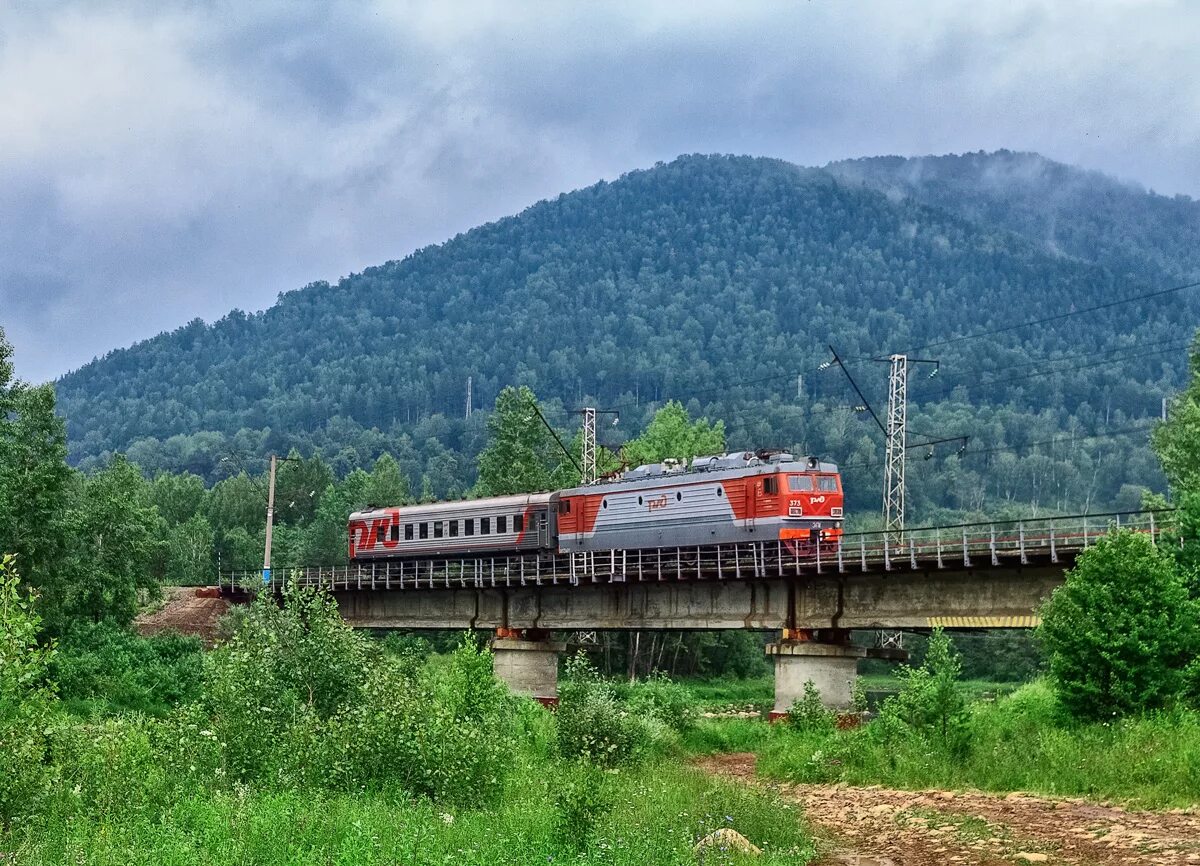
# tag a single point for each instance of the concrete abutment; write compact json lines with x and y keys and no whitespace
{"x":829,"y":661}
{"x":527,"y":662}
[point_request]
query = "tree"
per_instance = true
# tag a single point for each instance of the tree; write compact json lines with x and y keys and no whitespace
{"x":1177,"y":440}
{"x":190,"y":547}
{"x":119,"y":536}
{"x":25,"y":698}
{"x":522,"y":456}
{"x":931,"y":701}
{"x":673,"y":434}
{"x":34,"y":479}
{"x":178,"y":498}
{"x":388,"y":485}
{"x":1122,"y":629}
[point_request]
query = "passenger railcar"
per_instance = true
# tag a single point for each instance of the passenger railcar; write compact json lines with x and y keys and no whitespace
{"x":741,"y":496}
{"x":498,"y":525}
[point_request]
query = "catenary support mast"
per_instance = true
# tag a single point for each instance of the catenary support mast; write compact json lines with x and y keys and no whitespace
{"x":895,"y":435}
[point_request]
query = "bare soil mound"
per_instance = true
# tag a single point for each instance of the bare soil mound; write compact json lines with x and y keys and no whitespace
{"x":188,"y":610}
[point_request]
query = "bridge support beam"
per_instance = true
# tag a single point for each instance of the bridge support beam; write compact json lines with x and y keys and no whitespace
{"x":527,"y":661}
{"x":823,"y":657}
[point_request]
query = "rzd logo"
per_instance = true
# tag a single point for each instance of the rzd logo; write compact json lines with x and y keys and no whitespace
{"x":657,"y":502}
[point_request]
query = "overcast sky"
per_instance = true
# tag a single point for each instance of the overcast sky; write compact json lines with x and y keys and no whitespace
{"x":161,"y":161}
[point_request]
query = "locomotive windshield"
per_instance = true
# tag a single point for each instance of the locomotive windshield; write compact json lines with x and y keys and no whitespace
{"x":827,"y":484}
{"x":800,"y":483}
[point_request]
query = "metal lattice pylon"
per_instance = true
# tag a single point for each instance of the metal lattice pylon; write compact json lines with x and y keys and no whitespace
{"x":893,"y":478}
{"x":589,"y":445}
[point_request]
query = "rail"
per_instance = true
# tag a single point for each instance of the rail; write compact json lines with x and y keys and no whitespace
{"x":1053,"y":540}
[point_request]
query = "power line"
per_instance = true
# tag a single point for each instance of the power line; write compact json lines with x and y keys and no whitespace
{"x":1060,"y":440}
{"x":1166,"y":349}
{"x":1059,"y":317}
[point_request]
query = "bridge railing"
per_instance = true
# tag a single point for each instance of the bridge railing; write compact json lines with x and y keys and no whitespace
{"x":1052,"y":539}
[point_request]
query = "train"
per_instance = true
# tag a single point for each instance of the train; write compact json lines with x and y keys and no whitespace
{"x":741,"y":496}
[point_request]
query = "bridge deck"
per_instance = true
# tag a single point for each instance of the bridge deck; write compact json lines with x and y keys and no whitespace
{"x":1048,"y":540}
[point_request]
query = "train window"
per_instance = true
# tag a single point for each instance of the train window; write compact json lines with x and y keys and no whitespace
{"x":424,"y":530}
{"x":720,"y":492}
{"x":564,"y":506}
{"x":502,"y":523}
{"x":454,"y":529}
{"x":678,"y":497}
{"x":469,"y":526}
{"x":438,"y":528}
{"x":604,"y":503}
{"x":800,"y":483}
{"x":639,"y":500}
{"x":395,"y":532}
{"x":408,"y":532}
{"x":770,"y":485}
{"x":518,"y":523}
{"x":485,"y":525}
{"x":827,"y":484}
{"x":379,"y":534}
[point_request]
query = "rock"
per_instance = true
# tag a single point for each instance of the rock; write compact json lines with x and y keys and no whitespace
{"x":727,"y":840}
{"x":1031,"y":858}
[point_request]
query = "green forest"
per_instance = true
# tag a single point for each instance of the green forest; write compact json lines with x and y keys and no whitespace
{"x":719,"y":282}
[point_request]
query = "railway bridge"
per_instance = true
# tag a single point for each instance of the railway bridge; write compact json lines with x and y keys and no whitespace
{"x":979,"y":575}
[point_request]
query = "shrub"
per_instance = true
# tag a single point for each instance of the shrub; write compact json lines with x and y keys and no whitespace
{"x":593,"y":725}
{"x":930,"y":702}
{"x":298,"y":699}
{"x":26,"y":700}
{"x":658,"y":697}
{"x":580,"y":800}
{"x":1121,"y":630}
{"x":808,"y":714}
{"x":286,"y":667}
{"x":103,"y":666}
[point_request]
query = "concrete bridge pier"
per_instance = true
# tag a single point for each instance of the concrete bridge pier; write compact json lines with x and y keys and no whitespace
{"x":823,"y":656}
{"x":527,"y":660}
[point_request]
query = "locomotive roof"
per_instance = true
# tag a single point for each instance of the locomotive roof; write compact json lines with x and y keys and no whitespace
{"x":732,"y":465}
{"x":521,"y":500}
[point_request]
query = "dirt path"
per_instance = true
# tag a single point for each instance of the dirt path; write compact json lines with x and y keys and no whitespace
{"x":187,"y":610}
{"x":931,"y":828}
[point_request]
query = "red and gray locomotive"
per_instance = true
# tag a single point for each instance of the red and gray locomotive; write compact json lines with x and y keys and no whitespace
{"x":719,"y":499}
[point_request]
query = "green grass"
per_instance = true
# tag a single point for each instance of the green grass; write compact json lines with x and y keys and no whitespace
{"x":1020,"y":742}
{"x":717,"y":695}
{"x":655,"y":815}
{"x":975,"y":690}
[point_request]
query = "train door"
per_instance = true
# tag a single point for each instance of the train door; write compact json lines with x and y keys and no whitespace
{"x":543,"y":529}
{"x":766,"y":497}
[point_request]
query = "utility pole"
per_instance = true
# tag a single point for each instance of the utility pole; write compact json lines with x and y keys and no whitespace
{"x":589,"y":445}
{"x":893,"y":475}
{"x":469,"y":397}
{"x":270,"y":521}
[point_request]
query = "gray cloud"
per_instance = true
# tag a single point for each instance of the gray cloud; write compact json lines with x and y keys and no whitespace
{"x":160,"y":162}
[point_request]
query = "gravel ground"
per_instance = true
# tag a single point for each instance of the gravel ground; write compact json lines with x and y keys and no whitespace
{"x":874,"y":826}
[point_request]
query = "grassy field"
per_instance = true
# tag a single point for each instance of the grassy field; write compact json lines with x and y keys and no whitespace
{"x":1020,"y":742}
{"x":650,"y":814}
{"x":300,"y":741}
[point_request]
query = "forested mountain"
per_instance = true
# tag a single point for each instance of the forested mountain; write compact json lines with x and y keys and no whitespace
{"x":717,"y":281}
{"x":1083,"y":214}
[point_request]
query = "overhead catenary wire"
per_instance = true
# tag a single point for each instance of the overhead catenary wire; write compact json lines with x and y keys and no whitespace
{"x":1058,"y":316}
{"x":1063,"y":439}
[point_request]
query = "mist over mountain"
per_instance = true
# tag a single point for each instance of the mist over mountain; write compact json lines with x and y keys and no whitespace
{"x":718,"y":281}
